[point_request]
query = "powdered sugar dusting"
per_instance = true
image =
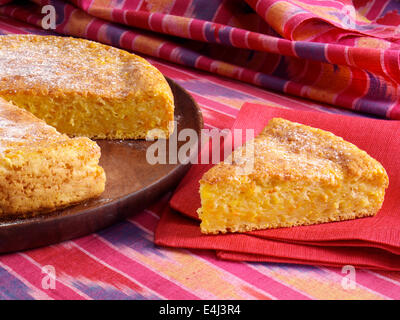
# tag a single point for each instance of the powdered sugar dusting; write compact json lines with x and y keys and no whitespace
{"x":11,"y":131}
{"x":52,"y":63}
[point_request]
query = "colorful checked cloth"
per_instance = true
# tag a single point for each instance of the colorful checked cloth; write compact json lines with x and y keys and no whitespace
{"x":338,"y":53}
{"x":344,"y":53}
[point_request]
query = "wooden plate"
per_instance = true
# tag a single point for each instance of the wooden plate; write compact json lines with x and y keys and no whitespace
{"x":132,"y":184}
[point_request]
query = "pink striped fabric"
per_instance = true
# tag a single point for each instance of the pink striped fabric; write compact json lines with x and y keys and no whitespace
{"x":337,"y":52}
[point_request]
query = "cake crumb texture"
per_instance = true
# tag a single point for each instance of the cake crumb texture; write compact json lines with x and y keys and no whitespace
{"x":41,"y":169}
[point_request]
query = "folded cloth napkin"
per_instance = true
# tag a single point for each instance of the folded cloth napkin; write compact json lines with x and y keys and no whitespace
{"x":369,"y":242}
{"x":178,"y":231}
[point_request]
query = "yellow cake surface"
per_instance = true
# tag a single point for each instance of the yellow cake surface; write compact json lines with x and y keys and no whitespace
{"x":42,"y":169}
{"x":301,"y":176}
{"x":84,"y":88}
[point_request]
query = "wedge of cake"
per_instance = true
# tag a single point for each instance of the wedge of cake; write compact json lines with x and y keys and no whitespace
{"x":300,"y":176}
{"x":84,"y":88}
{"x":41,"y":169}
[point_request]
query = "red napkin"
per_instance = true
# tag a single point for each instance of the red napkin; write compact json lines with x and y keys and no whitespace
{"x":380,"y":138}
{"x":176,"y":230}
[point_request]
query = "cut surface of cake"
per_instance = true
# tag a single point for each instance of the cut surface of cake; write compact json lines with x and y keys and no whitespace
{"x":84,"y":88}
{"x":300,"y":176}
{"x":41,"y":169}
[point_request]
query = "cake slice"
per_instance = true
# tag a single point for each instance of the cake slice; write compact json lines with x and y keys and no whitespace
{"x":301,"y":176}
{"x":84,"y":88}
{"x":41,"y":169}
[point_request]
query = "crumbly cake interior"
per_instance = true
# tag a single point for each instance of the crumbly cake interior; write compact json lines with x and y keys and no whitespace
{"x":84,"y":88}
{"x":41,"y":169}
{"x":301,"y":176}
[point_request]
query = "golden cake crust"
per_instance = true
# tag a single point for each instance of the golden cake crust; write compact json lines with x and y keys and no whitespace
{"x":51,"y":63}
{"x":291,"y":151}
{"x":301,"y":176}
{"x":39,"y":72}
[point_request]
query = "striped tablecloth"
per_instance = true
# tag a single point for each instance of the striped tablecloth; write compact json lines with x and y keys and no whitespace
{"x":121,"y":262}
